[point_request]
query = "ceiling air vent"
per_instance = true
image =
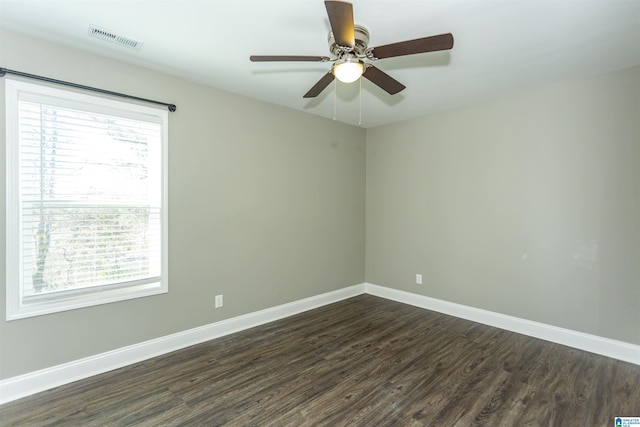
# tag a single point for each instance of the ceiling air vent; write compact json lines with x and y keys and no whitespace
{"x":113,"y":37}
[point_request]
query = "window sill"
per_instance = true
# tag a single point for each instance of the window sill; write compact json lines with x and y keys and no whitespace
{"x":55,"y":305}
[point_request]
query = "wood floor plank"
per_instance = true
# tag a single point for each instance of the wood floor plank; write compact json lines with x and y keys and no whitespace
{"x":364,"y":361}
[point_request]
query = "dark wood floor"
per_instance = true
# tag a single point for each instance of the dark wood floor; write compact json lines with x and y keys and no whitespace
{"x":364,"y":361}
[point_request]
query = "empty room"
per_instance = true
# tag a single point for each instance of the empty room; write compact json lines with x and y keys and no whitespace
{"x":292,"y":213}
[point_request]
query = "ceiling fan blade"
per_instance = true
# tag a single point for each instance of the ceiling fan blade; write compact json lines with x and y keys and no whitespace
{"x":281,"y":58}
{"x":411,"y":47}
{"x":320,"y":86}
{"x":341,"y":20}
{"x":383,"y":80}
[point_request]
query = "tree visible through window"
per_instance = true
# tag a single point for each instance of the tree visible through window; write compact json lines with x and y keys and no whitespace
{"x":89,"y":194}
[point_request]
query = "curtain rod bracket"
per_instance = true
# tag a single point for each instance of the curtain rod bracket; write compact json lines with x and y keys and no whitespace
{"x":4,"y":71}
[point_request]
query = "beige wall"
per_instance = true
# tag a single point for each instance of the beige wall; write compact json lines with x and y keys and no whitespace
{"x":266,"y":206}
{"x":527,"y":206}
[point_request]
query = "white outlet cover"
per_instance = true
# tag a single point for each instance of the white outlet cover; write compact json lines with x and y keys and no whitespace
{"x":219,"y":301}
{"x":418,"y":279}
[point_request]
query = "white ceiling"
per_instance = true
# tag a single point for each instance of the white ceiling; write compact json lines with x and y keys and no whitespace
{"x":501,"y":47}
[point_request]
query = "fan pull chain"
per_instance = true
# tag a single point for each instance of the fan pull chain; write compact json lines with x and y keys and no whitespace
{"x":335,"y":97}
{"x":360,"y":98}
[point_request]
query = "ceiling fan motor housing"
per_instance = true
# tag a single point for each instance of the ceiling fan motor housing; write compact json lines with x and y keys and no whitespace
{"x":360,"y":47}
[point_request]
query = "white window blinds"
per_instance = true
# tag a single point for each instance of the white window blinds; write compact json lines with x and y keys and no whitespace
{"x":90,"y":197}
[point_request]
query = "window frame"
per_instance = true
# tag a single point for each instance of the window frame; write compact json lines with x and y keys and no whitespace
{"x":16,"y":306}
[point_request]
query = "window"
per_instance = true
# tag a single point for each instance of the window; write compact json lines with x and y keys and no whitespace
{"x":86,"y":200}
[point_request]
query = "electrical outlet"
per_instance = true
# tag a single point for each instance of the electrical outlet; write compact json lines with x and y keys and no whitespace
{"x":418,"y":279}
{"x":218,"y":301}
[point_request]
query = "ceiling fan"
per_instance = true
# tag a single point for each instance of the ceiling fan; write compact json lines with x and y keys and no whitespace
{"x":348,"y":45}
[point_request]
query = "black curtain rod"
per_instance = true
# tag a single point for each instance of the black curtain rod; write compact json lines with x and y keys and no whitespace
{"x":4,"y":71}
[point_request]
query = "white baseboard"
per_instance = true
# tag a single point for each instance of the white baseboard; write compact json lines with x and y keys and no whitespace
{"x":45,"y":379}
{"x":594,"y":344}
{"x":34,"y":382}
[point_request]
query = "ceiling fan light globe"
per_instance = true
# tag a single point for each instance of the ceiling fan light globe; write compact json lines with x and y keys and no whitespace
{"x":348,"y":71}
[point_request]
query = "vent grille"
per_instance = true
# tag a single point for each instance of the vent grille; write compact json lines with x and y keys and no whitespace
{"x":113,"y":37}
